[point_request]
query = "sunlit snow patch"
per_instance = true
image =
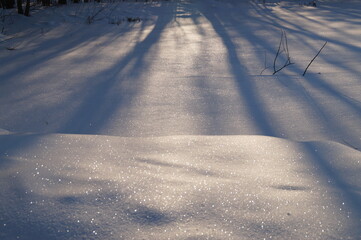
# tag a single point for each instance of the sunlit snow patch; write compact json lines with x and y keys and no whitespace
{"x":186,"y":187}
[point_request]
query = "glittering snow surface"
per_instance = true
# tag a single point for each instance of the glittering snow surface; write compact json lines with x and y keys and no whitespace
{"x":186,"y":187}
{"x":166,"y":128}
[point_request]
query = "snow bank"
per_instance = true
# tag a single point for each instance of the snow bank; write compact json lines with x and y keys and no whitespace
{"x":180,"y":187}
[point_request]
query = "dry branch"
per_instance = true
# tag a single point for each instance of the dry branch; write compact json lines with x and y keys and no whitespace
{"x":282,"y":48}
{"x":304,"y":73}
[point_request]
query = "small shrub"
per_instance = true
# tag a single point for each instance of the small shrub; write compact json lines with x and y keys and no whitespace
{"x":133,"y":19}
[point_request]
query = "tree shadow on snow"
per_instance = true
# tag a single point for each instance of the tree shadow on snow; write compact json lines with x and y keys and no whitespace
{"x":104,"y":94}
{"x":233,"y":25}
{"x":246,"y":88}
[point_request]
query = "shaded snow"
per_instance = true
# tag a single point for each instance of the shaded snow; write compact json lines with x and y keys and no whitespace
{"x":193,"y":68}
{"x":166,"y":128}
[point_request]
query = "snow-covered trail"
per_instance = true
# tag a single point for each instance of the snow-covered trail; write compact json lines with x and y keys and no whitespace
{"x":195,"y":71}
{"x":176,"y":80}
{"x":196,"y":80}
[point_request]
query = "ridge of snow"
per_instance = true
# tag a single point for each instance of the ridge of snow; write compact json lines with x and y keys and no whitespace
{"x":179,"y":187}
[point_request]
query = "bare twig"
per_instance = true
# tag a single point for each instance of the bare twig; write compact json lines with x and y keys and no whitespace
{"x":90,"y":19}
{"x":278,"y":53}
{"x":282,"y":48}
{"x":304,"y":73}
{"x":265,"y":59}
{"x":265,"y":63}
{"x":286,"y":65}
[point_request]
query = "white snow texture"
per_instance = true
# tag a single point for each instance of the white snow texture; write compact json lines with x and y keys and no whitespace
{"x":164,"y":120}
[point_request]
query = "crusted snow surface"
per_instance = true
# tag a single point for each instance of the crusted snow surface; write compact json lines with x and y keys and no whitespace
{"x":177,"y":187}
{"x":174,"y":127}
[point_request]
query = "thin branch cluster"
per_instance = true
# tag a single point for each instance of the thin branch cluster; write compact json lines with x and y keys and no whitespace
{"x":283,"y":56}
{"x":282,"y":49}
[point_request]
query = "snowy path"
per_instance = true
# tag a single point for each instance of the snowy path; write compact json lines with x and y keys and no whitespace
{"x":165,"y":129}
{"x":194,"y":72}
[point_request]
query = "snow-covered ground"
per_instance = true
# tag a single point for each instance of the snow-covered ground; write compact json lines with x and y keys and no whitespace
{"x":171,"y":127}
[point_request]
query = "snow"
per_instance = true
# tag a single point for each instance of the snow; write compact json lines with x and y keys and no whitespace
{"x":170,"y":128}
{"x":187,"y":187}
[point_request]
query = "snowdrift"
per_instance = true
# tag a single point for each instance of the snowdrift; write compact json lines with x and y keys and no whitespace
{"x":179,"y":187}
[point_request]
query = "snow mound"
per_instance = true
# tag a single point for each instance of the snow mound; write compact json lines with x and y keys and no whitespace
{"x":178,"y":187}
